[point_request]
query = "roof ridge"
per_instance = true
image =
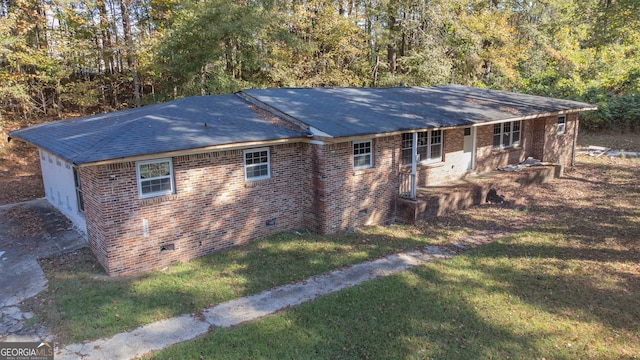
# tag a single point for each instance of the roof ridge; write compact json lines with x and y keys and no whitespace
{"x":292,"y":120}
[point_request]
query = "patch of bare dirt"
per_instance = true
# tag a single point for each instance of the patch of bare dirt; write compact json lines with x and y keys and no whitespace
{"x":612,"y":139}
{"x":20,"y":175}
{"x":595,"y":204}
{"x":26,"y":221}
{"x":81,"y":260}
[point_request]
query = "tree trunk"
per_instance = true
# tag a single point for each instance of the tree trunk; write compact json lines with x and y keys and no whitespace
{"x":375,"y":71}
{"x":130,"y":51}
{"x":106,"y":47}
{"x":392,"y":56}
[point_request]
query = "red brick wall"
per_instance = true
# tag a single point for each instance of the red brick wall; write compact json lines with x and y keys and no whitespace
{"x":538,"y":134}
{"x":452,"y":166}
{"x":213,"y":207}
{"x":488,"y":158}
{"x":557,"y":147}
{"x":312,"y":186}
{"x":539,"y":140}
{"x":346,"y":197}
{"x":92,"y":188}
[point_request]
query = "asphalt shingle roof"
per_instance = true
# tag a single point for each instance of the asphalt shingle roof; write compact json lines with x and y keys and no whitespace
{"x":171,"y":126}
{"x":361,"y":111}
{"x":180,"y":124}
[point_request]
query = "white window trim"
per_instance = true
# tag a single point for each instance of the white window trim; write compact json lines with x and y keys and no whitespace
{"x":428,"y":160}
{"x":562,"y":126}
{"x":511,"y":131}
{"x":246,"y":167}
{"x":78,"y":187}
{"x":368,"y":166}
{"x":158,"y":193}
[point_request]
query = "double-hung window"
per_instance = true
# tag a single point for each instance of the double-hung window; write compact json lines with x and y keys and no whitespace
{"x":506,"y":134}
{"x":562,"y":124}
{"x":155,"y":177}
{"x":429,"y":148}
{"x":362,"y":154}
{"x":257,"y":164}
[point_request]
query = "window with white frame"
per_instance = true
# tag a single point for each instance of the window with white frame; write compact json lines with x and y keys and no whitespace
{"x":562,"y":124}
{"x":429,"y":147}
{"x":78,"y":186}
{"x":257,"y":164}
{"x":506,"y":134}
{"x":362,"y":154}
{"x":155,"y":177}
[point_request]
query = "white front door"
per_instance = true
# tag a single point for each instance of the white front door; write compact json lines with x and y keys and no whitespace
{"x":469,"y":148}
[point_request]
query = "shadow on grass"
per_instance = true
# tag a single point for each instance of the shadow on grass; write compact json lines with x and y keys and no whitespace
{"x":579,"y":284}
{"x":471,"y":307}
{"x":81,"y":303}
{"x":564,"y":288}
{"x":414,"y":315}
{"x":481,"y":305}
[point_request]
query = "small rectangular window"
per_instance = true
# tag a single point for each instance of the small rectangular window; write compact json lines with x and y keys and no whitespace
{"x":362,"y":155}
{"x":78,"y":186}
{"x":516,"y":132}
{"x":257,"y":164}
{"x":562,"y":124}
{"x":497,"y":135}
{"x":423,"y":146}
{"x":155,"y":177}
{"x":506,"y":134}
{"x":407,"y":144}
{"x":435,"y":153}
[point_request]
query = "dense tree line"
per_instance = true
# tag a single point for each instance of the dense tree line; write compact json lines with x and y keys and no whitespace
{"x":65,"y":57}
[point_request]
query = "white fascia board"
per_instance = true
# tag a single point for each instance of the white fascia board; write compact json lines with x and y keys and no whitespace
{"x":534,"y":116}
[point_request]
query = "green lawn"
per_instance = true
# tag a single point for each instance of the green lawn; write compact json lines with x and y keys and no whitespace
{"x":516,"y":298}
{"x":82,"y":303}
{"x":565,"y":284}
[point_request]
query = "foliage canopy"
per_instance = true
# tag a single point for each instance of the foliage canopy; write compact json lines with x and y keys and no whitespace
{"x":83,"y":56}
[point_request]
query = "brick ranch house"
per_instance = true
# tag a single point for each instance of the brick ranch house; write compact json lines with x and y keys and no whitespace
{"x":170,"y":182}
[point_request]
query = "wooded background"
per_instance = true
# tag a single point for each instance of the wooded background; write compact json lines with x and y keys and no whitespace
{"x":62,"y":58}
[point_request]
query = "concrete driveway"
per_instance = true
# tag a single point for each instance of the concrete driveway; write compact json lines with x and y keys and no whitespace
{"x":29,"y":231}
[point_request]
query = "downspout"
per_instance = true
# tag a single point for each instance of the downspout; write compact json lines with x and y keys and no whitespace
{"x":414,"y":162}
